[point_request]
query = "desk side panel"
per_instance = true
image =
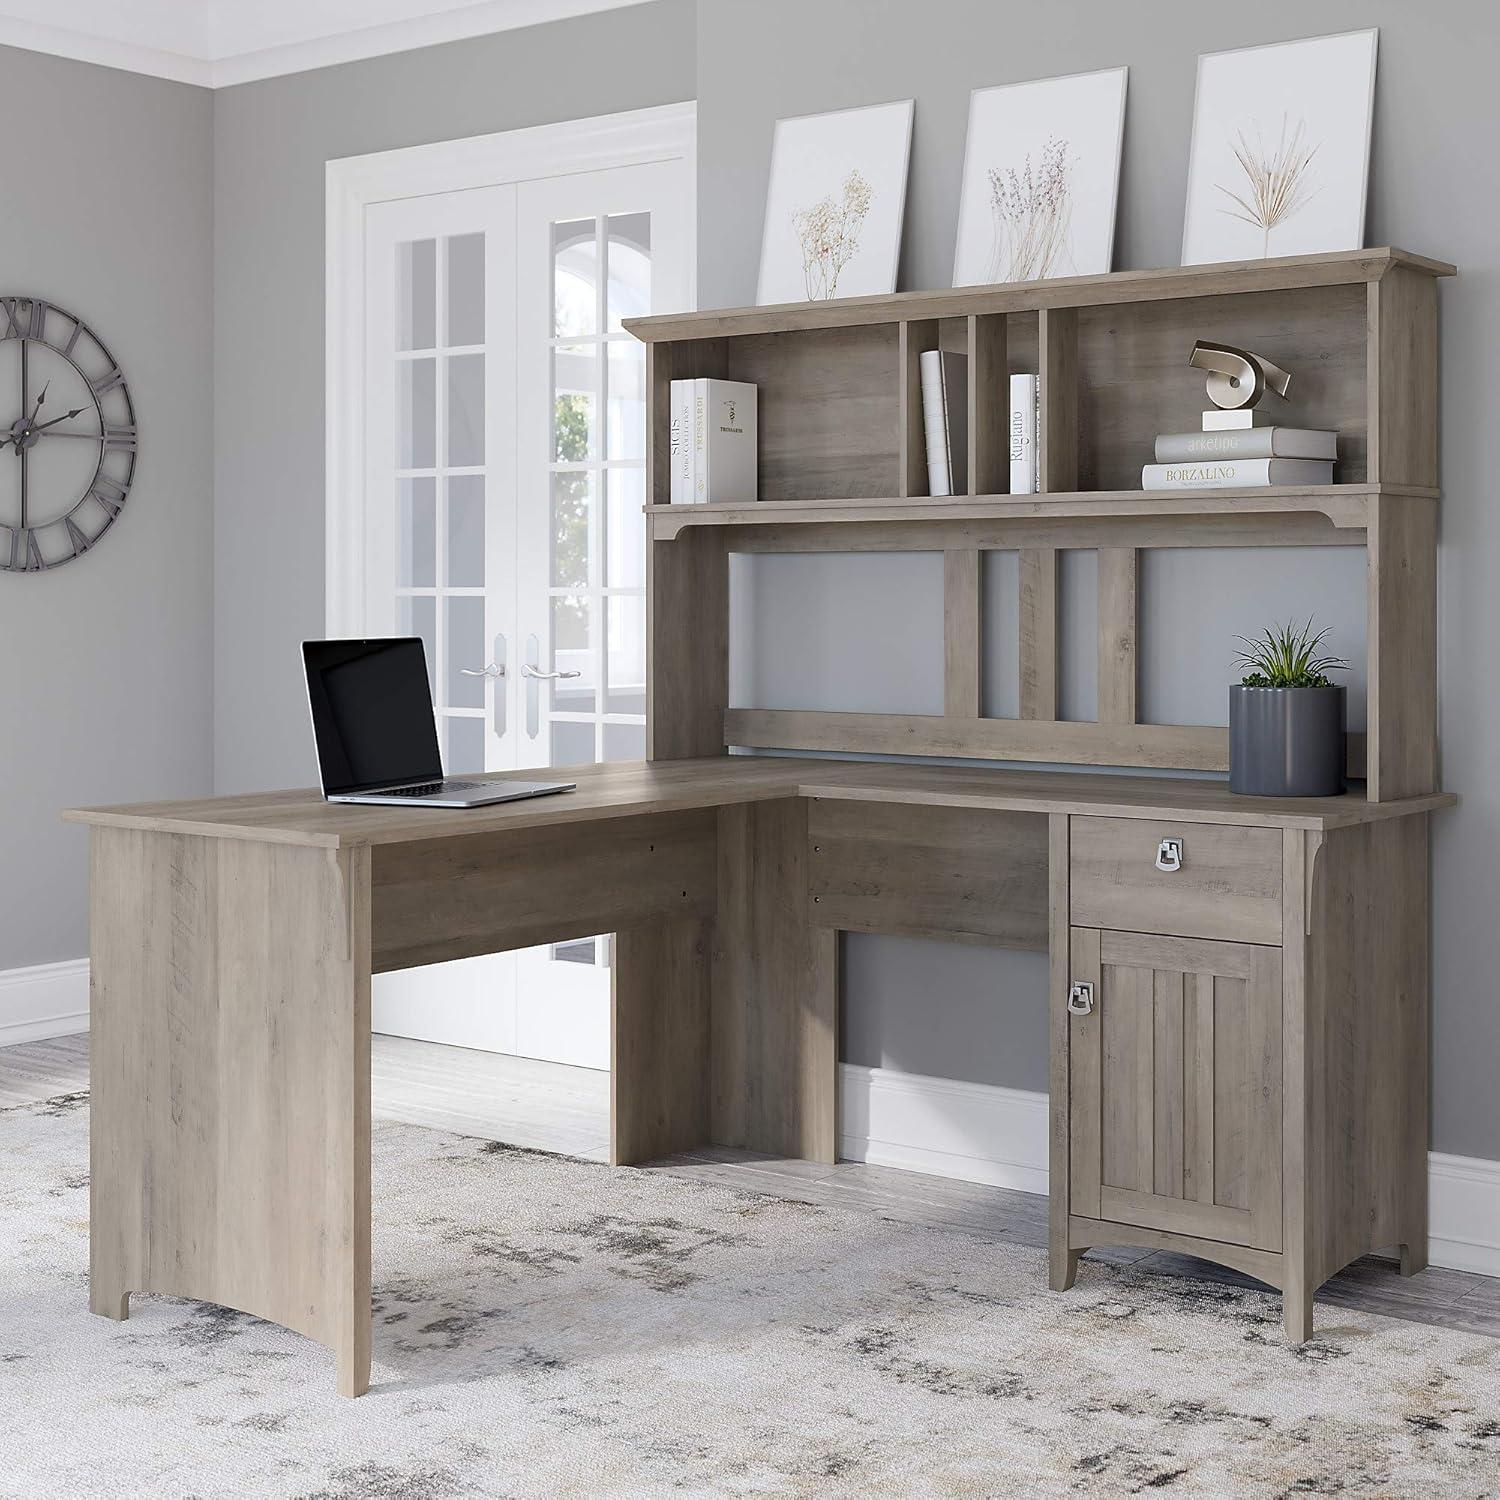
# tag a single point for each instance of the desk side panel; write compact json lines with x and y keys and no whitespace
{"x":1366,"y":1046}
{"x":230,"y":1129}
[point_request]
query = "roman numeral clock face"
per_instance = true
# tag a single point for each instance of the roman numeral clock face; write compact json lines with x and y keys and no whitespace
{"x":67,"y":436}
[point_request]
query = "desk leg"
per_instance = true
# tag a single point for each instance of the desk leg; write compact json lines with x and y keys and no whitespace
{"x":775,"y":991}
{"x":658,"y":1080}
{"x":230,"y":1059}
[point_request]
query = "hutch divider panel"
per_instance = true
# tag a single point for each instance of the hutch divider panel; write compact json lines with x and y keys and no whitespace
{"x":843,"y":468}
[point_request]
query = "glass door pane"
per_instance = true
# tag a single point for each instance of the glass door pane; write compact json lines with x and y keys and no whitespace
{"x":587,"y":259}
{"x":440,"y":525}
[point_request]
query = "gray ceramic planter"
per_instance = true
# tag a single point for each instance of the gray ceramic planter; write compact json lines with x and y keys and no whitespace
{"x":1286,"y":742}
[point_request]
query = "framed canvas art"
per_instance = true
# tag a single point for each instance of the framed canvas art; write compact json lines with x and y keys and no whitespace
{"x":1041,"y":176}
{"x":1280,"y":158}
{"x":835,"y":204}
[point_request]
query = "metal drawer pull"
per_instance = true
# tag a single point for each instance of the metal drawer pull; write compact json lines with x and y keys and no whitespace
{"x":1169,"y":854}
{"x":1081,"y":1000}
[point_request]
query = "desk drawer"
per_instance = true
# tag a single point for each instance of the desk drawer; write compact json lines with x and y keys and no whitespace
{"x":1228,"y":885}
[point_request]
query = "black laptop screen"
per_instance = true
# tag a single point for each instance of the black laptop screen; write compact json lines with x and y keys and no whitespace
{"x":372,"y":713}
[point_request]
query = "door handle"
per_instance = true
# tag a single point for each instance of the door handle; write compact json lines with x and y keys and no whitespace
{"x":1081,"y":1000}
{"x":527,"y":670}
{"x":494,"y":669}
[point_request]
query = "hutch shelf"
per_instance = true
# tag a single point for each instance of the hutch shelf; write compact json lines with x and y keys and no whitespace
{"x":842,"y":468}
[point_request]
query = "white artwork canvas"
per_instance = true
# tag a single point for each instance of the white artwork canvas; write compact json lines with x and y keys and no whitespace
{"x":835,"y":204}
{"x":1041,"y":176}
{"x":1281,"y":149}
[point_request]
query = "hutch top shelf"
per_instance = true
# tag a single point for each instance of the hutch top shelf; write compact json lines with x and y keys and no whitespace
{"x":840,"y":390}
{"x":1280,"y":274}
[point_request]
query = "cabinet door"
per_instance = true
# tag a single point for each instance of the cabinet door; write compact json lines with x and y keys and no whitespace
{"x":1175,"y":1085}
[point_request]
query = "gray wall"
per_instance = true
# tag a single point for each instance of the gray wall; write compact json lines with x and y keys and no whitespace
{"x":271,"y":141}
{"x":202,"y":264}
{"x":106,"y":684}
{"x":1436,"y":124}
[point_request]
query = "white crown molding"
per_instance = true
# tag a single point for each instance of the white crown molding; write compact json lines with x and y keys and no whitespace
{"x":976,"y":1132}
{"x":403,"y":36}
{"x":106,"y":52}
{"x":226,"y":46}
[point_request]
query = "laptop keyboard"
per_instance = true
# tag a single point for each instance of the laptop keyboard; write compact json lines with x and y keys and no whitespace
{"x":428,"y":788}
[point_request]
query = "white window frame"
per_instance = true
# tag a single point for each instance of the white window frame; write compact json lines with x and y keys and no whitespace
{"x":353,"y":183}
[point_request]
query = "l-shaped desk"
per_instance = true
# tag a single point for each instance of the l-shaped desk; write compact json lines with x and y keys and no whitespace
{"x":1238,"y":1018}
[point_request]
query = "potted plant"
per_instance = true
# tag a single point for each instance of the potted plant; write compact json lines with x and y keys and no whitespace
{"x":1286,"y":718}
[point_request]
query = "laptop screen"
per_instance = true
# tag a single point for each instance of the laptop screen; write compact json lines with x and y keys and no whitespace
{"x":372,"y":713}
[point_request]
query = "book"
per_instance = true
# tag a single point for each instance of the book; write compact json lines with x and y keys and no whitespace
{"x":945,"y":420}
{"x":697,"y":461}
{"x":724,"y":442}
{"x":1025,"y":400}
{"x":1240,"y":473}
{"x":680,"y":413}
{"x":1247,"y":442}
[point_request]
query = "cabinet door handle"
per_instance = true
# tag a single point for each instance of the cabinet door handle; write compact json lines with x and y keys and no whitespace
{"x":1169,"y":855}
{"x":1081,"y":1000}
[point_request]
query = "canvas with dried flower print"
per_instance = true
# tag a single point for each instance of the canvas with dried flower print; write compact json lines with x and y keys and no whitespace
{"x":835,"y":204}
{"x":1041,"y":173}
{"x":1281,"y":149}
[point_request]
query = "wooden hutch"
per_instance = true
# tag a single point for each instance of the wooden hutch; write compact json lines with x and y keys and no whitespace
{"x":1251,"y":1085}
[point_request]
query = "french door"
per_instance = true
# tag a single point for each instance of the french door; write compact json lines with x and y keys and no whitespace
{"x":504,"y":473}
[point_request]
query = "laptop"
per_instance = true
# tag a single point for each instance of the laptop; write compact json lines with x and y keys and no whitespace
{"x":376,"y":734}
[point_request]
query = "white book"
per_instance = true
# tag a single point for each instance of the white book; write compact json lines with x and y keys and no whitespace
{"x":724,"y":441}
{"x":698,"y":463}
{"x":680,"y":417}
{"x":1238,"y":473}
{"x":945,"y":420}
{"x":1024,"y":401}
{"x":1246,"y":442}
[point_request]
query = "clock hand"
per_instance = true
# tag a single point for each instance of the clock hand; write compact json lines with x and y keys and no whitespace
{"x":19,"y":439}
{"x":77,"y":411}
{"x":30,"y":421}
{"x":37,"y":408}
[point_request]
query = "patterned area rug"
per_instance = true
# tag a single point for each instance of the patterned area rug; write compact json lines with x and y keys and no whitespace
{"x":549,"y":1327}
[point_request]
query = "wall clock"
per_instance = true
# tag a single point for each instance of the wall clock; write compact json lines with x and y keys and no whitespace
{"x":67,"y":436}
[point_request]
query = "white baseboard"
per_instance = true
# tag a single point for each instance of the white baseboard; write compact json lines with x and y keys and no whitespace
{"x":1463,"y":1206}
{"x":978,"y":1132}
{"x":44,"y":1000}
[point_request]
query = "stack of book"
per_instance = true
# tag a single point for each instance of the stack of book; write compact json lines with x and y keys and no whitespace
{"x":1232,"y":452}
{"x":713,"y":442}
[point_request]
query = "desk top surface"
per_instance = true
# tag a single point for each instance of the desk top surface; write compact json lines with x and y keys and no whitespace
{"x":632,"y":787}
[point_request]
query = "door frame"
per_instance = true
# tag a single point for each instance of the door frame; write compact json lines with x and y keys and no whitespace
{"x":353,"y":183}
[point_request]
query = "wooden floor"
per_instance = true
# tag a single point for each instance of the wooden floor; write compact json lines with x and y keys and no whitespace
{"x":556,"y":1108}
